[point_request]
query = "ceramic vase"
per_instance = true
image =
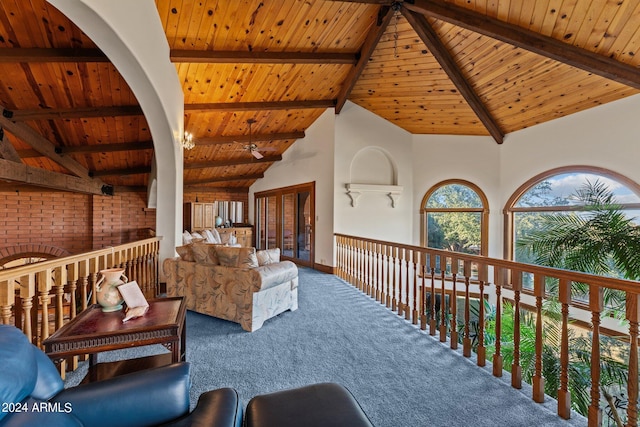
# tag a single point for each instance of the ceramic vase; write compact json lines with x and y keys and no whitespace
{"x":107,"y":293}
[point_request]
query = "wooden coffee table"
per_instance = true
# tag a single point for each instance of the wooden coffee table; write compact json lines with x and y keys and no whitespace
{"x":94,"y":331}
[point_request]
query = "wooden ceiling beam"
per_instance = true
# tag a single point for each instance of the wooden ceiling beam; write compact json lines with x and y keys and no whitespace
{"x":75,"y":113}
{"x":207,"y":189}
{"x":41,"y":144}
{"x":257,"y":106}
{"x":106,"y":148}
{"x":122,"y":172}
{"x":8,"y":151}
{"x":20,"y":54}
{"x":225,"y":179}
{"x":448,"y":64}
{"x":231,"y":162}
{"x":245,"y":57}
{"x":18,"y":172}
{"x":373,"y":37}
{"x":219,"y":140}
{"x":528,"y":40}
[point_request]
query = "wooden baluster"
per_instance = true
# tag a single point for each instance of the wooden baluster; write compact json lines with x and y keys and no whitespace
{"x":381,"y":296}
{"x":352,"y":263}
{"x":340,"y":254}
{"x":72,"y":283}
{"x":538,"y":379}
{"x":44,"y":287}
{"x":373,"y":269}
{"x":394,"y":283}
{"x":633,"y":315}
{"x":594,"y":414}
{"x":384,"y":297}
{"x":432,"y":309}
{"x":416,"y":263}
{"x":466,"y":340}
{"x":423,"y":292}
{"x":59,"y":282}
{"x":145,"y":273}
{"x":365,"y":258}
{"x":155,"y":275}
{"x":7,"y":300}
{"x":388,"y":253}
{"x":352,"y":254}
{"x":93,"y":278}
{"x":360,"y":268}
{"x":407,"y":284}
{"x":402,"y":307}
{"x":497,"y":356}
{"x":516,"y":369}
{"x":564,"y":395}
{"x":83,"y":283}
{"x":481,"y":351}
{"x":27,"y":293}
{"x":453,"y":302}
{"x":443,"y":300}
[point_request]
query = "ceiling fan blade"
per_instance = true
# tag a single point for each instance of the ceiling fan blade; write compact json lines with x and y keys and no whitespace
{"x":256,"y":154}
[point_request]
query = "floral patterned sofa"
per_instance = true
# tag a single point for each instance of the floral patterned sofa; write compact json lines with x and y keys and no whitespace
{"x":236,"y":284}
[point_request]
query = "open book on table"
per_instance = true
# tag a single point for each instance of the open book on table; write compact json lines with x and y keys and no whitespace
{"x":137,"y":304}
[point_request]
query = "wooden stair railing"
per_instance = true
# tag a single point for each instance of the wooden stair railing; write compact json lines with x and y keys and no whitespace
{"x":407,"y":278}
{"x":30,"y":295}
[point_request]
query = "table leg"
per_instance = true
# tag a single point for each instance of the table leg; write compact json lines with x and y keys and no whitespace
{"x":93,"y":371}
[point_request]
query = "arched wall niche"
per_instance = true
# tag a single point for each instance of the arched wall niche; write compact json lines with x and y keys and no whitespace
{"x":374,"y":166}
{"x":373,"y":170}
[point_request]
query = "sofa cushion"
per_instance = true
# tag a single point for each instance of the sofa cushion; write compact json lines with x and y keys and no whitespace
{"x":205,"y":253}
{"x":17,"y":373}
{"x":237,"y":257}
{"x":268,"y":256}
{"x":186,"y":237}
{"x":212,"y":236}
{"x":185,"y":252}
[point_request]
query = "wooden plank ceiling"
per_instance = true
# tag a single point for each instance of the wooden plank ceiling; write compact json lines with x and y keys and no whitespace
{"x":478,"y":67}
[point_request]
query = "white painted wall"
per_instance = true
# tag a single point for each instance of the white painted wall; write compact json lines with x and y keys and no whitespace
{"x":606,"y":136}
{"x":374,"y":217}
{"x":307,"y":160}
{"x":473,"y":158}
{"x":131,"y":35}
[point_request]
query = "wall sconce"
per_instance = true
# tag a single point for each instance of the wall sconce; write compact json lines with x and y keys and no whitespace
{"x":187,"y":142}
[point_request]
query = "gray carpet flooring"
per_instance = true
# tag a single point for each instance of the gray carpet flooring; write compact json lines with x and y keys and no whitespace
{"x":400,"y":375}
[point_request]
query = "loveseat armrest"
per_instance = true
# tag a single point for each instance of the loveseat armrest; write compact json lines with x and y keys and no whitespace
{"x":274,"y":274}
{"x":143,"y":398}
{"x":216,"y":408}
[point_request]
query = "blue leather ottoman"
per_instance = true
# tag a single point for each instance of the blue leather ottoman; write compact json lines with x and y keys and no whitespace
{"x":317,"y":405}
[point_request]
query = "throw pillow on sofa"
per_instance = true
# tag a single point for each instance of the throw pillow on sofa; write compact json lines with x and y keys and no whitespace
{"x":205,"y":253}
{"x":237,"y":257}
{"x":268,"y":256}
{"x":185,"y":253}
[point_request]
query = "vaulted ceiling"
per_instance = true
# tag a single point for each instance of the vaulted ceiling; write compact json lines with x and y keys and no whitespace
{"x":463,"y":67}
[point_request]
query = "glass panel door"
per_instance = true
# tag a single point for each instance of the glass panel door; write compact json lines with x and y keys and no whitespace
{"x":271,"y":222}
{"x":303,"y":237}
{"x":288,"y":225}
{"x":285,"y":220}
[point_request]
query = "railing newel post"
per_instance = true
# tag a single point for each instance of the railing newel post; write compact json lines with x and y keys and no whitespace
{"x":453,"y":302}
{"x":538,"y":379}
{"x":564,"y":395}
{"x":633,"y":316}
{"x":516,"y":369}
{"x":596,"y":300}
{"x":466,"y":341}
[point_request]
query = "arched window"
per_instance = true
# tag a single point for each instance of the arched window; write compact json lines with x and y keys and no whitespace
{"x":562,"y":191}
{"x":454,"y":216}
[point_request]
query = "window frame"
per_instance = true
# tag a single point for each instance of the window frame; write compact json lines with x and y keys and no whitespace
{"x":483,"y":211}
{"x":510,"y":209}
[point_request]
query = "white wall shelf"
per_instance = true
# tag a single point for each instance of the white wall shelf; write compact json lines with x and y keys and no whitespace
{"x":354,"y":191}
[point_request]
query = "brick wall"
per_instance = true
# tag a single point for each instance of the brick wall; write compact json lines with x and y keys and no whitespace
{"x":60,"y":222}
{"x":72,"y":222}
